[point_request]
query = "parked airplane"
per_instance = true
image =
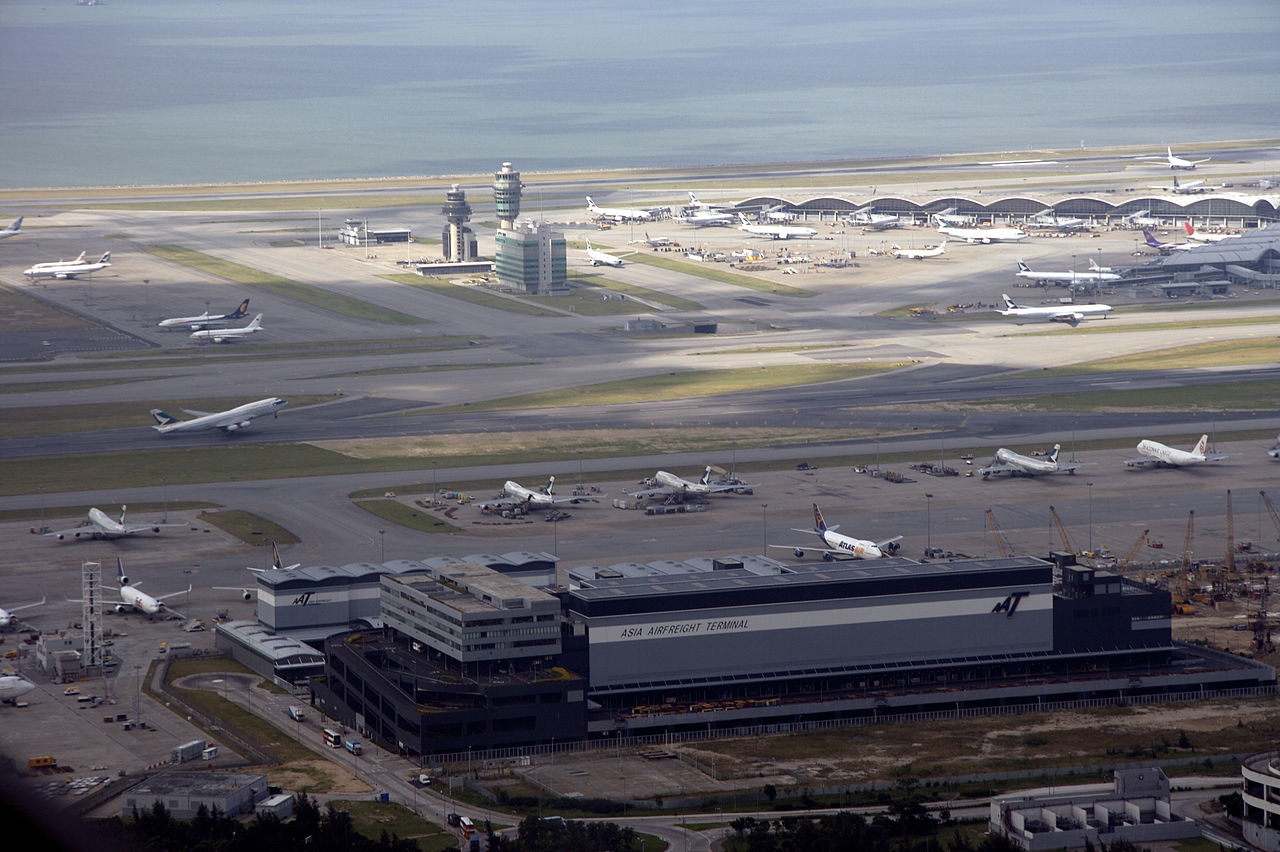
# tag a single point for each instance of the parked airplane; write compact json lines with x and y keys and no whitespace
{"x":619,"y":214}
{"x":985,"y":235}
{"x":68,"y":270}
{"x":1070,"y":314}
{"x":133,"y":598}
{"x":13,"y":230}
{"x":515,"y":494}
{"x":222,"y":335}
{"x":841,"y":545}
{"x":654,"y":242}
{"x":777,"y":214}
{"x":1274,"y":452}
{"x":1094,"y":267}
{"x":1141,"y":220}
{"x":599,"y":258}
{"x":669,"y":483}
{"x":706,"y":218}
{"x":206,"y":319}
{"x":231,"y":420}
{"x":1175,"y":162}
{"x":919,"y":254}
{"x":1164,"y":248}
{"x":277,"y":564}
{"x":702,"y":205}
{"x":1193,"y":234}
{"x":868,"y":218}
{"x":1050,"y":219}
{"x":7,"y":617}
{"x":777,"y":232}
{"x":954,"y":219}
{"x":1016,"y":464}
{"x":99,"y":526}
{"x":1161,"y":455}
{"x":1025,"y":271}
{"x":13,"y":687}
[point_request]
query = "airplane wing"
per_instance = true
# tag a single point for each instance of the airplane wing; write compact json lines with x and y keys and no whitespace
{"x":1142,"y":461}
{"x":195,"y":413}
{"x":1069,"y":467}
{"x":810,"y":548}
{"x":497,"y":501}
{"x":187,"y":590}
{"x":995,"y":468}
{"x":1215,"y":456}
{"x":28,"y":606}
{"x":137,"y":528}
{"x":649,"y":492}
{"x":716,"y":489}
{"x":888,"y":541}
{"x":83,"y":528}
{"x":1069,"y":317}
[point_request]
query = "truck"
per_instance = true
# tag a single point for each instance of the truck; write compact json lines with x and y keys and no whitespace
{"x":296,"y":713}
{"x":352,"y":746}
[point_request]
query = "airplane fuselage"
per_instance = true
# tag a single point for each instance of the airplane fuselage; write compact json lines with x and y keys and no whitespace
{"x":231,"y":420}
{"x":856,"y":547}
{"x":676,"y":483}
{"x":985,"y":235}
{"x":1169,"y":455}
{"x":13,"y":687}
{"x":1027,"y":464}
{"x":528,"y":496}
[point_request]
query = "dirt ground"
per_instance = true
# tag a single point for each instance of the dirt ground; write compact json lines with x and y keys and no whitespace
{"x":316,"y":776}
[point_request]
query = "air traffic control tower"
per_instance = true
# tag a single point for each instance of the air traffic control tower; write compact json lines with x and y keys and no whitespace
{"x":458,"y":240}
{"x":506,"y":196}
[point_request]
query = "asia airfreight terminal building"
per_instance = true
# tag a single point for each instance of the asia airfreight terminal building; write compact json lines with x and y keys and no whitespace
{"x":471,"y":658}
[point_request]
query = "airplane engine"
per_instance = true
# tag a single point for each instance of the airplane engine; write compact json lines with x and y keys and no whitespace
{"x":61,"y":536}
{"x":247,"y":595}
{"x":121,"y":609}
{"x":219,"y":339}
{"x":828,"y":557}
{"x":799,"y":553}
{"x":244,"y":424}
{"x":155,"y":529}
{"x":893,"y":547}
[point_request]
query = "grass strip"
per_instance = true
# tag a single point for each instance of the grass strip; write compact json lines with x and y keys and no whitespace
{"x":275,"y":203}
{"x":1109,"y":328}
{"x":1226,"y":397}
{"x":592,"y":279}
{"x":474,"y":295}
{"x":74,"y":384}
{"x":286,"y":288}
{"x":1213,"y":353}
{"x":393,"y":511}
{"x":371,"y":819}
{"x":711,"y":273}
{"x":32,"y":513}
{"x":692,"y":383}
{"x":248,"y":527}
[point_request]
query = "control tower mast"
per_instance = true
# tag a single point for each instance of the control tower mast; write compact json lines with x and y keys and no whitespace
{"x":459,"y":240}
{"x":506,"y":196}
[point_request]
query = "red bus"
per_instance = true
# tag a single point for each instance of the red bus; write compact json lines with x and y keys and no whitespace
{"x":331,"y":738}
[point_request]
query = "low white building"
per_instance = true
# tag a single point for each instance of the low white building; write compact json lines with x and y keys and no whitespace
{"x":1260,"y":822}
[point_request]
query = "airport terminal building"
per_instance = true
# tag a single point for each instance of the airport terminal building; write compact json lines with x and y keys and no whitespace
{"x":722,"y":643}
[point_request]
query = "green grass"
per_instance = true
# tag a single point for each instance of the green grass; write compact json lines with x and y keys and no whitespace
{"x":1213,"y":353}
{"x":474,"y":295}
{"x":74,"y":384}
{"x":63,"y":419}
{"x":1231,"y":396}
{"x":396,"y":512}
{"x":692,"y":383}
{"x":248,"y":527}
{"x":711,"y":273}
{"x":273,"y":203}
{"x":589,"y":301}
{"x":591,"y":279}
{"x":370,"y":819}
{"x":286,"y":288}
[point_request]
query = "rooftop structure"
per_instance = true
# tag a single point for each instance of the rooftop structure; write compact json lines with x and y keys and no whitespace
{"x":183,"y":793}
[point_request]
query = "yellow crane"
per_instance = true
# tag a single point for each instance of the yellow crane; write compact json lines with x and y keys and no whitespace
{"x":1062,"y":532}
{"x":1002,"y":544}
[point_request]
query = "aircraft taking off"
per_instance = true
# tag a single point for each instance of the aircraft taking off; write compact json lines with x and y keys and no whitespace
{"x":1194,"y":187}
{"x":231,"y":420}
{"x":670,"y":484}
{"x":599,"y":258}
{"x":1070,"y":314}
{"x":1016,"y":464}
{"x":13,"y":687}
{"x":1193,"y":234}
{"x":133,"y":598}
{"x":515,"y":494}
{"x":6,"y":615}
{"x":70,"y":269}
{"x":100,"y":526}
{"x":984,"y":235}
{"x":776,"y":232}
{"x":841,"y":545}
{"x":1175,"y":162}
{"x":1164,"y":248}
{"x":222,"y":335}
{"x":619,"y":214}
{"x":1157,"y":454}
{"x":919,"y":254}
{"x":13,"y":230}
{"x":1025,"y":271}
{"x":206,"y":319}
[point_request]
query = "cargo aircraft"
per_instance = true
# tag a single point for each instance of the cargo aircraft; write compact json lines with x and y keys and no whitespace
{"x":1050,"y":219}
{"x":231,"y":420}
{"x":599,"y":258}
{"x":984,"y":235}
{"x":1025,"y":271}
{"x":619,"y":214}
{"x":1016,"y":464}
{"x":654,"y":242}
{"x":7,"y":615}
{"x":1070,"y":314}
{"x":13,"y":230}
{"x":919,"y":254}
{"x":133,"y":598}
{"x":1156,"y":454}
{"x":672,"y":485}
{"x":64,"y":269}
{"x":206,"y":319}
{"x":98,"y":525}
{"x":223,"y":335}
{"x":841,"y":545}
{"x":776,"y":232}
{"x":515,"y":494}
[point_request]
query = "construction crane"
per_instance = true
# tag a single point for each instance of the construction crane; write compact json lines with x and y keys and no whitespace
{"x":1133,"y":551}
{"x":1271,"y":510}
{"x":1002,"y":544}
{"x":1189,"y":542}
{"x":1229,"y":560}
{"x":1062,"y":532}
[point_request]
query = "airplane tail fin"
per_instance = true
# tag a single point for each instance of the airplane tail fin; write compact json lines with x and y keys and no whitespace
{"x":256,"y":323}
{"x":1009,"y":304}
{"x":123,"y":509}
{"x":106,"y":256}
{"x":819,"y":525}
{"x":276,"y":562}
{"x":1191,"y":231}
{"x":589,"y":244}
{"x":120,"y":577}
{"x":162,"y":418}
{"x":1201,"y":445}
{"x":242,"y":310}
{"x":1151,"y":240}
{"x":706,"y":476}
{"x":1022,"y":266}
{"x":1053,"y":456}
{"x":17,"y":224}
{"x":551,"y":485}
{"x":693,"y":199}
{"x":591,"y":205}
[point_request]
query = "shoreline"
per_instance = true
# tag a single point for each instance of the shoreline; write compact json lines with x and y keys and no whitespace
{"x":647,"y":172}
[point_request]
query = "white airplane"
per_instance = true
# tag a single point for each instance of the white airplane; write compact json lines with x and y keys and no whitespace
{"x":1189,"y":188}
{"x":71,"y":269}
{"x":985,"y":235}
{"x":131,"y":597}
{"x":776,"y":232}
{"x":1025,"y":271}
{"x":222,"y":335}
{"x":1141,"y":219}
{"x":206,"y":319}
{"x":277,"y":564}
{"x":1070,"y":314}
{"x":599,"y":258}
{"x":1094,"y":267}
{"x":706,"y":218}
{"x":1164,"y":248}
{"x":1274,"y":452}
{"x":1193,"y":234}
{"x":231,"y":420}
{"x":919,"y":254}
{"x":1161,"y":455}
{"x":654,"y":242}
{"x":619,"y":214}
{"x":1050,"y":219}
{"x":954,"y":219}
{"x":841,"y":545}
{"x":702,"y":205}
{"x":100,"y":526}
{"x":1175,"y":162}
{"x":7,"y":617}
{"x":1016,"y":464}
{"x":13,"y":687}
{"x":13,"y":230}
{"x":669,"y":483}
{"x":868,"y":218}
{"x":777,"y":214}
{"x":515,"y":494}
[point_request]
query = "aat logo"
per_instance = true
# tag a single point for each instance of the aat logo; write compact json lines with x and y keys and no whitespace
{"x":305,"y":598}
{"x":1010,"y":604}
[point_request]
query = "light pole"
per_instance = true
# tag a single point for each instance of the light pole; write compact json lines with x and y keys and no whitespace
{"x":1090,"y":487}
{"x":764,"y":528}
{"x":382,"y":541}
{"x":137,"y":698}
{"x":928,"y":522}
